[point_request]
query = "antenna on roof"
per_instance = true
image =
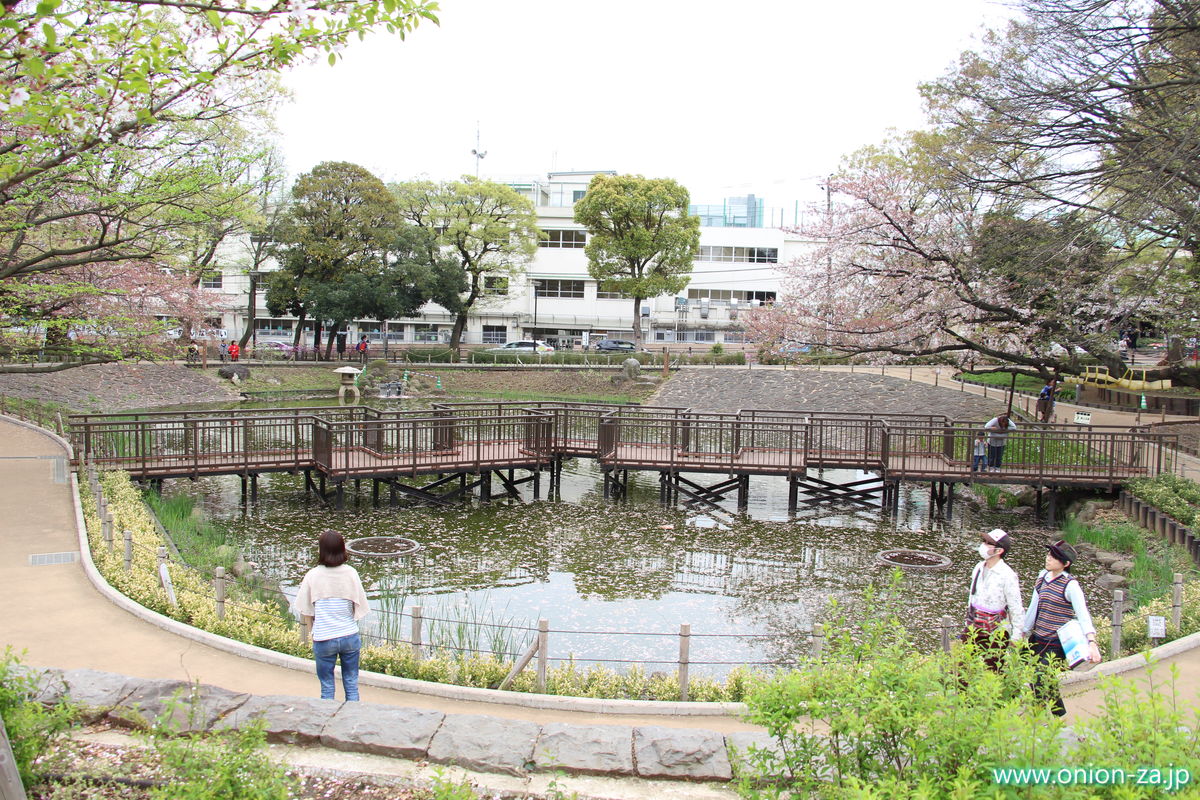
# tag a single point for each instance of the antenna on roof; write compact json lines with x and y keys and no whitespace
{"x":479,"y":154}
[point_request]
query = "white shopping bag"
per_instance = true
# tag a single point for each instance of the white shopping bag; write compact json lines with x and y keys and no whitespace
{"x":1075,"y":645}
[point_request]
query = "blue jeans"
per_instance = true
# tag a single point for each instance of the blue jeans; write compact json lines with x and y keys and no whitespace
{"x":978,"y":463}
{"x":327,"y":653}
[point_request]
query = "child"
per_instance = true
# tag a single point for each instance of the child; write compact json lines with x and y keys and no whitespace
{"x":980,"y":454}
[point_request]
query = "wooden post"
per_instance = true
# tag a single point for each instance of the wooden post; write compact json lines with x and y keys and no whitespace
{"x":128,"y":550}
{"x":164,"y":576}
{"x":685,"y":638}
{"x":219,"y":589}
{"x":1118,"y":616}
{"x":543,"y":640}
{"x":947,"y":626}
{"x":106,"y":526}
{"x":417,"y":643}
{"x":1177,"y":600}
{"x":305,"y":631}
{"x":818,"y":641}
{"x":11,"y":787}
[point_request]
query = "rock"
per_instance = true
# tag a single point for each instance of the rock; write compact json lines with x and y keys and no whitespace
{"x":291,"y":720}
{"x":95,"y":691}
{"x":182,"y":706}
{"x":382,"y":730}
{"x":591,"y":749}
{"x":1121,"y":567}
{"x":45,"y":686}
{"x":631,"y":368}
{"x":484,"y":743}
{"x":1026,"y":496}
{"x":678,"y":753}
{"x":1086,"y":550}
{"x":1105,"y":558}
{"x":1110,"y":582}
{"x":1090,"y":509}
{"x":228,"y":371}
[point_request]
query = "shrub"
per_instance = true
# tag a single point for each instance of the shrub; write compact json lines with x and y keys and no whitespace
{"x":31,"y":727}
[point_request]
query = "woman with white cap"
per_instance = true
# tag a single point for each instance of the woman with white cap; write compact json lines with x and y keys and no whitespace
{"x":1057,"y":599}
{"x":993,"y":600}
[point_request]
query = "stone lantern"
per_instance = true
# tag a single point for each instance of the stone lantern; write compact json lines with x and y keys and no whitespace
{"x":349,"y":376}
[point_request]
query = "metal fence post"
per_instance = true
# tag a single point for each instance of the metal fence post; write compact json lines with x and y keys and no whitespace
{"x":219,"y":590}
{"x":1118,"y":616}
{"x":128,"y":550}
{"x":1177,"y":600}
{"x":685,"y":638}
{"x":543,"y":640}
{"x":417,"y":620}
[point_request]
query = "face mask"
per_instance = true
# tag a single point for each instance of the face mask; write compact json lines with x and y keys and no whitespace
{"x":985,"y":551}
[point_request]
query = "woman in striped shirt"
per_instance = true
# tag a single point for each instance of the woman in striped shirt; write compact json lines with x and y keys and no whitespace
{"x":331,"y":600}
{"x":1057,"y":599}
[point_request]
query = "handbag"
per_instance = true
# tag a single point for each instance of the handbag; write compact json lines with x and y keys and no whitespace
{"x":986,"y":621}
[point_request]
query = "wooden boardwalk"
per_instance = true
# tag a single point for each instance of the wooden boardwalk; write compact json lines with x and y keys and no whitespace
{"x":339,"y":444}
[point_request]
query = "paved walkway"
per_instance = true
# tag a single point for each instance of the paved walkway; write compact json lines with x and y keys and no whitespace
{"x":59,"y":620}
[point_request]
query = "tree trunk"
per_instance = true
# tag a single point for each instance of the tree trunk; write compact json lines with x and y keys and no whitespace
{"x":330,"y":338}
{"x":299,"y":330}
{"x":460,"y":325}
{"x":637,"y":321}
{"x":316,"y":340}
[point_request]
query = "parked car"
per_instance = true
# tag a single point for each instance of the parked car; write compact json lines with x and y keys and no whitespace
{"x":615,"y":345}
{"x":523,"y":346}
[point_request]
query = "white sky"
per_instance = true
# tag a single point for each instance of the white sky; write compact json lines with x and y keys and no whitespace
{"x":757,"y":96}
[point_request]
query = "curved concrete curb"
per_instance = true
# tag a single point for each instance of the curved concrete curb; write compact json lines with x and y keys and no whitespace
{"x":472,"y":694}
{"x":447,"y":691}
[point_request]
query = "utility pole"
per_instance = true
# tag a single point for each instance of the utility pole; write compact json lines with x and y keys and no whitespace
{"x":479,"y":154}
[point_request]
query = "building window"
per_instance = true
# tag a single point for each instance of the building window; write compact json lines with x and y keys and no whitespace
{"x":495,"y":334}
{"x":577,"y":195}
{"x":605,"y":294}
{"x":719,"y":297}
{"x":564,"y":238}
{"x":555,"y":288}
{"x":495,"y":284}
{"x":213,"y":280}
{"x":425,"y":333}
{"x":745,"y":255}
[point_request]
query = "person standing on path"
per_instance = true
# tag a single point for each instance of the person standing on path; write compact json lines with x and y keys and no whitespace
{"x":993,"y":600}
{"x":331,"y":600}
{"x":1057,"y":599}
{"x":1045,"y":401}
{"x":998,"y":428}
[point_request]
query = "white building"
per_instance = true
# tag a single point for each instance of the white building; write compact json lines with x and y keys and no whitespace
{"x":741,"y":243}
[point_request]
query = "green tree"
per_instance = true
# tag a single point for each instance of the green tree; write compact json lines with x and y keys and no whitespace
{"x":490,"y":230}
{"x":641,"y":238}
{"x":342,"y":221}
{"x":97,"y":100}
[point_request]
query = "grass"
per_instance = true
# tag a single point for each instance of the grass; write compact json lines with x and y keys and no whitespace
{"x":1025,"y":383}
{"x":1155,"y":562}
{"x":199,"y":541}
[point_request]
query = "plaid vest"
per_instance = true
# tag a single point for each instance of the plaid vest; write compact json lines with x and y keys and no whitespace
{"x":1054,"y":609}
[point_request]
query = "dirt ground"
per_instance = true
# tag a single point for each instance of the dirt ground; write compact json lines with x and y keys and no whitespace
{"x":121,"y":387}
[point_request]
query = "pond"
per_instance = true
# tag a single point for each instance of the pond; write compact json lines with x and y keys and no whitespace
{"x":615,"y":579}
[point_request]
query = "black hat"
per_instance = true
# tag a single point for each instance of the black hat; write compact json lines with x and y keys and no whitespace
{"x":1063,"y":551}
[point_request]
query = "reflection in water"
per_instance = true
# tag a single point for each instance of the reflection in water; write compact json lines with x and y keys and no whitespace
{"x":751,"y":586}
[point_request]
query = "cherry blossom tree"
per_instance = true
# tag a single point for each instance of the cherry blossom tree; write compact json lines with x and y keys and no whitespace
{"x":911,"y":264}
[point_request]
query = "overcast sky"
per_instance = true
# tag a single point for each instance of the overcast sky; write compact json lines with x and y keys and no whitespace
{"x":757,"y":96}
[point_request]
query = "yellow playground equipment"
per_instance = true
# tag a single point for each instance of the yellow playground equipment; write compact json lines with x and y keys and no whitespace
{"x":1136,"y":379}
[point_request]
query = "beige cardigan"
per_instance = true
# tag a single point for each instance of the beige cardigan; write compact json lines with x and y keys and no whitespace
{"x":324,"y":582}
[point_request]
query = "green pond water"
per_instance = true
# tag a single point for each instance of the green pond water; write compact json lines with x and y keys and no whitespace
{"x":616,"y":579}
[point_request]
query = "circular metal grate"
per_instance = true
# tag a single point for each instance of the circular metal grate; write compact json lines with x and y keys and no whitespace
{"x":383,"y":546}
{"x":913,"y":559}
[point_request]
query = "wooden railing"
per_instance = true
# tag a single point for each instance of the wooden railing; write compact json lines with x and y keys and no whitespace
{"x":343,"y":442}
